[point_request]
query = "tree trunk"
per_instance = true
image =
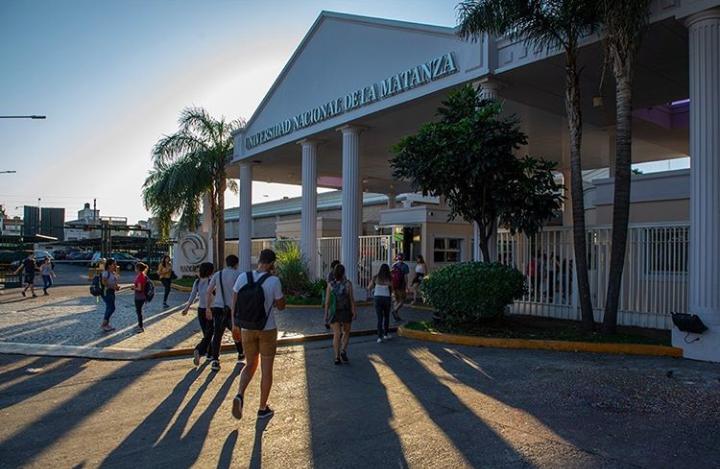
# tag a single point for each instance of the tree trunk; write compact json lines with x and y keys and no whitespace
{"x":213,"y":229}
{"x":483,"y":239}
{"x":222,"y":185}
{"x":574,"y":114}
{"x":621,"y":200}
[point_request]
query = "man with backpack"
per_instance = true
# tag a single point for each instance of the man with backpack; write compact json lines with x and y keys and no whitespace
{"x":399,"y":276}
{"x":258,"y":294}
{"x":221,"y":286}
{"x":29,"y":268}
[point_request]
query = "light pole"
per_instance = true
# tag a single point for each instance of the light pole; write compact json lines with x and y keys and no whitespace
{"x":34,"y":116}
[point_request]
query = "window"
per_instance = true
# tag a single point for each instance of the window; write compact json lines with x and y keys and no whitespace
{"x":447,"y":250}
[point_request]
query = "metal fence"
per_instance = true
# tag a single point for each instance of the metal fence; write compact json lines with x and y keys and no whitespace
{"x":655,"y":281}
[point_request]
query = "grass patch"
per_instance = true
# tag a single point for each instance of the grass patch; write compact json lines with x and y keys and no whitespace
{"x":529,"y":327}
{"x":303,"y":300}
{"x":184,"y":281}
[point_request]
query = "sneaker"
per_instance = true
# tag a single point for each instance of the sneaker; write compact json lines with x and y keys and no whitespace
{"x":215,"y":366}
{"x":344,"y":357}
{"x":34,"y":295}
{"x":165,"y":305}
{"x":237,"y":406}
{"x":46,"y":294}
{"x":208,"y":358}
{"x":107,"y":328}
{"x":387,"y":337}
{"x":241,"y":357}
{"x":338,"y":361}
{"x":139,"y":330}
{"x":379,"y":340}
{"x":23,"y":293}
{"x":265,"y":413}
{"x":196,"y":357}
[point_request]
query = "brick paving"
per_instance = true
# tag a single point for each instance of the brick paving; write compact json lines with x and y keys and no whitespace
{"x":71,"y":317}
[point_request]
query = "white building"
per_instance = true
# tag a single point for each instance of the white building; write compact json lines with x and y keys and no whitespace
{"x":356,"y":85}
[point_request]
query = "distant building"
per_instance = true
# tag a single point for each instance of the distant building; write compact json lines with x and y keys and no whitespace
{"x":47,"y":221}
{"x":11,"y":226}
{"x":82,"y":227}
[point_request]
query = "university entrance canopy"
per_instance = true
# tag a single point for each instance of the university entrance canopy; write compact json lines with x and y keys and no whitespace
{"x":356,"y":85}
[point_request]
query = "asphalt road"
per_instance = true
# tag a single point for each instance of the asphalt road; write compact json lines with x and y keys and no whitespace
{"x":398,"y":404}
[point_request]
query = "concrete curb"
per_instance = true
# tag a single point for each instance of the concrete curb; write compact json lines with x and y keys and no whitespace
{"x":359,"y":303}
{"x":125,"y":354}
{"x":535,"y":344}
{"x":282,"y":342}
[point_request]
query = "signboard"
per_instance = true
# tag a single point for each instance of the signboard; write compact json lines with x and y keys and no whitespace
{"x":406,"y":80}
{"x":191,"y":250}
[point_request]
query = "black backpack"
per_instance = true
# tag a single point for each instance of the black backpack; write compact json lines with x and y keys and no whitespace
{"x":250,"y":305}
{"x":149,"y":290}
{"x":96,"y":287}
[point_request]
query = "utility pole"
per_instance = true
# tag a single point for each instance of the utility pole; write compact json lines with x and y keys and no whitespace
{"x":34,"y":116}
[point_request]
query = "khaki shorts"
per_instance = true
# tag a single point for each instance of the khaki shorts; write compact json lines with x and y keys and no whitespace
{"x":262,"y":342}
{"x":400,"y":295}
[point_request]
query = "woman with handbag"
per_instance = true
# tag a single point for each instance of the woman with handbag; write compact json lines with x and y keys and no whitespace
{"x":165,"y":276}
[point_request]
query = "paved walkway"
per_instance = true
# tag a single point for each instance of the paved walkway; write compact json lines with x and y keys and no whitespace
{"x":398,"y":404}
{"x":67,"y":323}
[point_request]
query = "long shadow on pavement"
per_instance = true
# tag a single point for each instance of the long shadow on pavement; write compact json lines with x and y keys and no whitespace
{"x":22,"y":447}
{"x":349,"y":414}
{"x":471,"y":436}
{"x":173,"y":449}
{"x":598,"y":405}
{"x":31,"y":386}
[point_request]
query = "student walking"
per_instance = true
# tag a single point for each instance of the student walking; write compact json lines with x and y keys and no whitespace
{"x":381,"y":286}
{"x":140,"y":287}
{"x":48,"y":274}
{"x":28,"y":268}
{"x":399,"y":274}
{"x":204,"y":315}
{"x":257,"y":296}
{"x":420,"y":273}
{"x":165,"y":276}
{"x":340,"y":312}
{"x":331,"y":274}
{"x":109,"y":279}
{"x":219,"y":297}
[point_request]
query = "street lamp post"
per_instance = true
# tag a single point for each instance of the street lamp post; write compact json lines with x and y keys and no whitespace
{"x":34,"y":116}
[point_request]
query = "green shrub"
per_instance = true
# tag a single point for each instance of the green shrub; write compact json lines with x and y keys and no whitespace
{"x":468,"y":292}
{"x":317,"y":288}
{"x":291,"y":268}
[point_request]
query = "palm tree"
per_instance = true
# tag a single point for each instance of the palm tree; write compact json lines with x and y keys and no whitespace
{"x":624,"y":22}
{"x":548,"y":24}
{"x":189,"y":164}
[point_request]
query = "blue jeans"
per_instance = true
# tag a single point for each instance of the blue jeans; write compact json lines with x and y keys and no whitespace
{"x":47,"y":282}
{"x":109,"y":299}
{"x":382,"y":309}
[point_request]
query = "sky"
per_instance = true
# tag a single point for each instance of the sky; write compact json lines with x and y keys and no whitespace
{"x":112,"y":77}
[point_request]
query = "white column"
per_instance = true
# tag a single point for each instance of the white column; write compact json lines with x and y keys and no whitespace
{"x":351,"y":209}
{"x":245,"y":217}
{"x":308,"y":213}
{"x":704,"y":255}
{"x":391,"y":199}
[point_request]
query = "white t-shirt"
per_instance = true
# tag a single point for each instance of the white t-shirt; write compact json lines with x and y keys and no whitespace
{"x":272,"y":289}
{"x":228,"y":279}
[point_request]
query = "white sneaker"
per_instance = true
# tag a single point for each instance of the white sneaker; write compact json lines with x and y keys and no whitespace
{"x":379,"y":341}
{"x":387,"y":337}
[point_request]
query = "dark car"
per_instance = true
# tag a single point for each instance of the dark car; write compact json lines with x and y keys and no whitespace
{"x":124,"y":260}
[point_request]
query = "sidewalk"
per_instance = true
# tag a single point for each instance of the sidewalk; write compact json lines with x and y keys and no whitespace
{"x":67,"y":323}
